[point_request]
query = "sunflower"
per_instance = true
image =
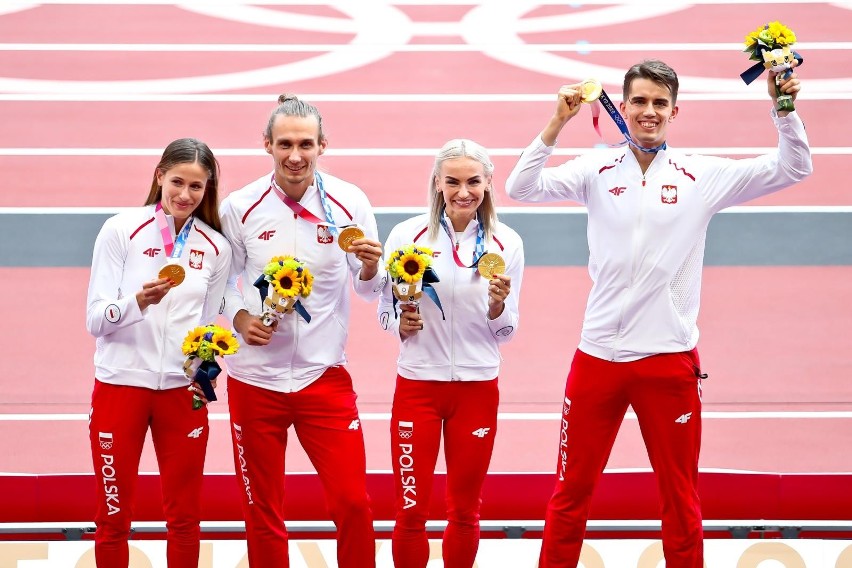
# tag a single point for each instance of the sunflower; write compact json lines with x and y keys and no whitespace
{"x":223,"y":343}
{"x":287,"y":282}
{"x":409,"y":263}
{"x":411,"y":267}
{"x":192,"y":341}
{"x":209,"y":341}
{"x":307,"y":282}
{"x":772,"y":35}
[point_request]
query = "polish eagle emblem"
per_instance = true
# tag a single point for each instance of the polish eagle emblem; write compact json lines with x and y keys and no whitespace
{"x":668,"y":194}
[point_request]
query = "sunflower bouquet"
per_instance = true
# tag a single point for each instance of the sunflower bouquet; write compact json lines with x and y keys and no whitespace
{"x":770,"y":45}
{"x":284,"y":280}
{"x":201,"y":346}
{"x":410,"y":270}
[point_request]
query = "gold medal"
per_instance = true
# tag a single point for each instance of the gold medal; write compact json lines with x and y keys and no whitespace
{"x":173,"y":272}
{"x":347,"y":235}
{"x":590,"y":90}
{"x":490,"y":264}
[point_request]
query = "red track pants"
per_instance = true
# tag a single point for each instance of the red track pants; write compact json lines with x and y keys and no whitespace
{"x":467,"y":411}
{"x":120,"y":419}
{"x":664,"y":391}
{"x":325,"y":418}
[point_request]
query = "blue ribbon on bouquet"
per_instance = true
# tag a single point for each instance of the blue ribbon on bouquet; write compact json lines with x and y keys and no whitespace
{"x":207,"y":371}
{"x":262,"y":284}
{"x":429,"y":278}
{"x":756,"y":70}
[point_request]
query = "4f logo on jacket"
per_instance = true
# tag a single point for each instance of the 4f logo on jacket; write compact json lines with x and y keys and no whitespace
{"x":616,"y":191}
{"x":668,"y":194}
{"x":152,"y":252}
{"x":266,"y":235}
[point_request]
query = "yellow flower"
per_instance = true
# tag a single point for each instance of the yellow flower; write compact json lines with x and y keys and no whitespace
{"x":307,"y":282}
{"x":773,"y":35}
{"x":410,"y":267}
{"x":193,"y":340}
{"x":286,"y":282}
{"x":224,"y":343}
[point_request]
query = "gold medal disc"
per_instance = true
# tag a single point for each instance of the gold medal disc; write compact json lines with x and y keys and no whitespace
{"x":173,"y":272}
{"x":491,"y":264}
{"x":590,"y":90}
{"x":347,"y":235}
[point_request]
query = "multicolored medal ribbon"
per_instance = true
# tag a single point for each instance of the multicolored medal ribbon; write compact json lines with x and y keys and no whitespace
{"x":289,"y":278}
{"x":594,"y":95}
{"x":487,"y":264}
{"x":173,"y":247}
{"x":301,"y":211}
{"x":478,"y":248}
{"x":770,"y":45}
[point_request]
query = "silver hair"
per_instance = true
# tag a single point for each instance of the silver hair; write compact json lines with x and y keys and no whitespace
{"x":462,"y":148}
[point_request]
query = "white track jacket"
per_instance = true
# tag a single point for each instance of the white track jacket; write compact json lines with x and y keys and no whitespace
{"x":260,"y":226}
{"x":464,"y":347}
{"x":646,"y":232}
{"x":142,"y":348}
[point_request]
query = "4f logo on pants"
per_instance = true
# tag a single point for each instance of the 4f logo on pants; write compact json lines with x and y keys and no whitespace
{"x":481,"y":432}
{"x":683,"y":418}
{"x":355,"y":424}
{"x":196,"y":433}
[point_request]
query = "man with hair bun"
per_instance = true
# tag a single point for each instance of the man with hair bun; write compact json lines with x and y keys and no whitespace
{"x":291,"y":372}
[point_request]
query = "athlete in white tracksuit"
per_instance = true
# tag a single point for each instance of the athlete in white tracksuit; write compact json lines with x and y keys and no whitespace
{"x":449,"y":357}
{"x":649,"y":207}
{"x":140,"y":322}
{"x":292,"y":373}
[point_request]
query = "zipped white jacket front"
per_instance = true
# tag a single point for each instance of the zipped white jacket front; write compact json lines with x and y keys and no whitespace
{"x":260,"y":226}
{"x":646,"y":232}
{"x":142,"y":348}
{"x":465,"y":346}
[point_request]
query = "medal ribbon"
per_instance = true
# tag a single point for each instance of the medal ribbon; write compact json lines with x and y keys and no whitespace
{"x":619,"y":122}
{"x":299,"y":210}
{"x":173,"y":247}
{"x":478,"y":249}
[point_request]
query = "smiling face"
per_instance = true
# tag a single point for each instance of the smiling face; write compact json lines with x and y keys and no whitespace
{"x":183,"y":190}
{"x":648,"y":109}
{"x":463,"y":183}
{"x":295,"y":145}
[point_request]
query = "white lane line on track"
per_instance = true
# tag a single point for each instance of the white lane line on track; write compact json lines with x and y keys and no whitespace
{"x":420,"y":98}
{"x":396,"y":152}
{"x":383,"y":48}
{"x":638,"y":3}
{"x":531,"y":210}
{"x":506,"y":416}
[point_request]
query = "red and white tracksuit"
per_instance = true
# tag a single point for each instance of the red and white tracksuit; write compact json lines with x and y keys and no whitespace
{"x":140,"y":382}
{"x":646,"y":238}
{"x":447,"y":380}
{"x":298,"y":378}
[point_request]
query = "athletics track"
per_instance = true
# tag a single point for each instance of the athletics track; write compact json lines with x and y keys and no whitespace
{"x":89,"y":95}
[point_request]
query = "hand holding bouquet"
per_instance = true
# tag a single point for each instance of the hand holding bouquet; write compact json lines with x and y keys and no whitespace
{"x":410,"y":270}
{"x":201,"y":346}
{"x":289,"y":279}
{"x":770,"y":45}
